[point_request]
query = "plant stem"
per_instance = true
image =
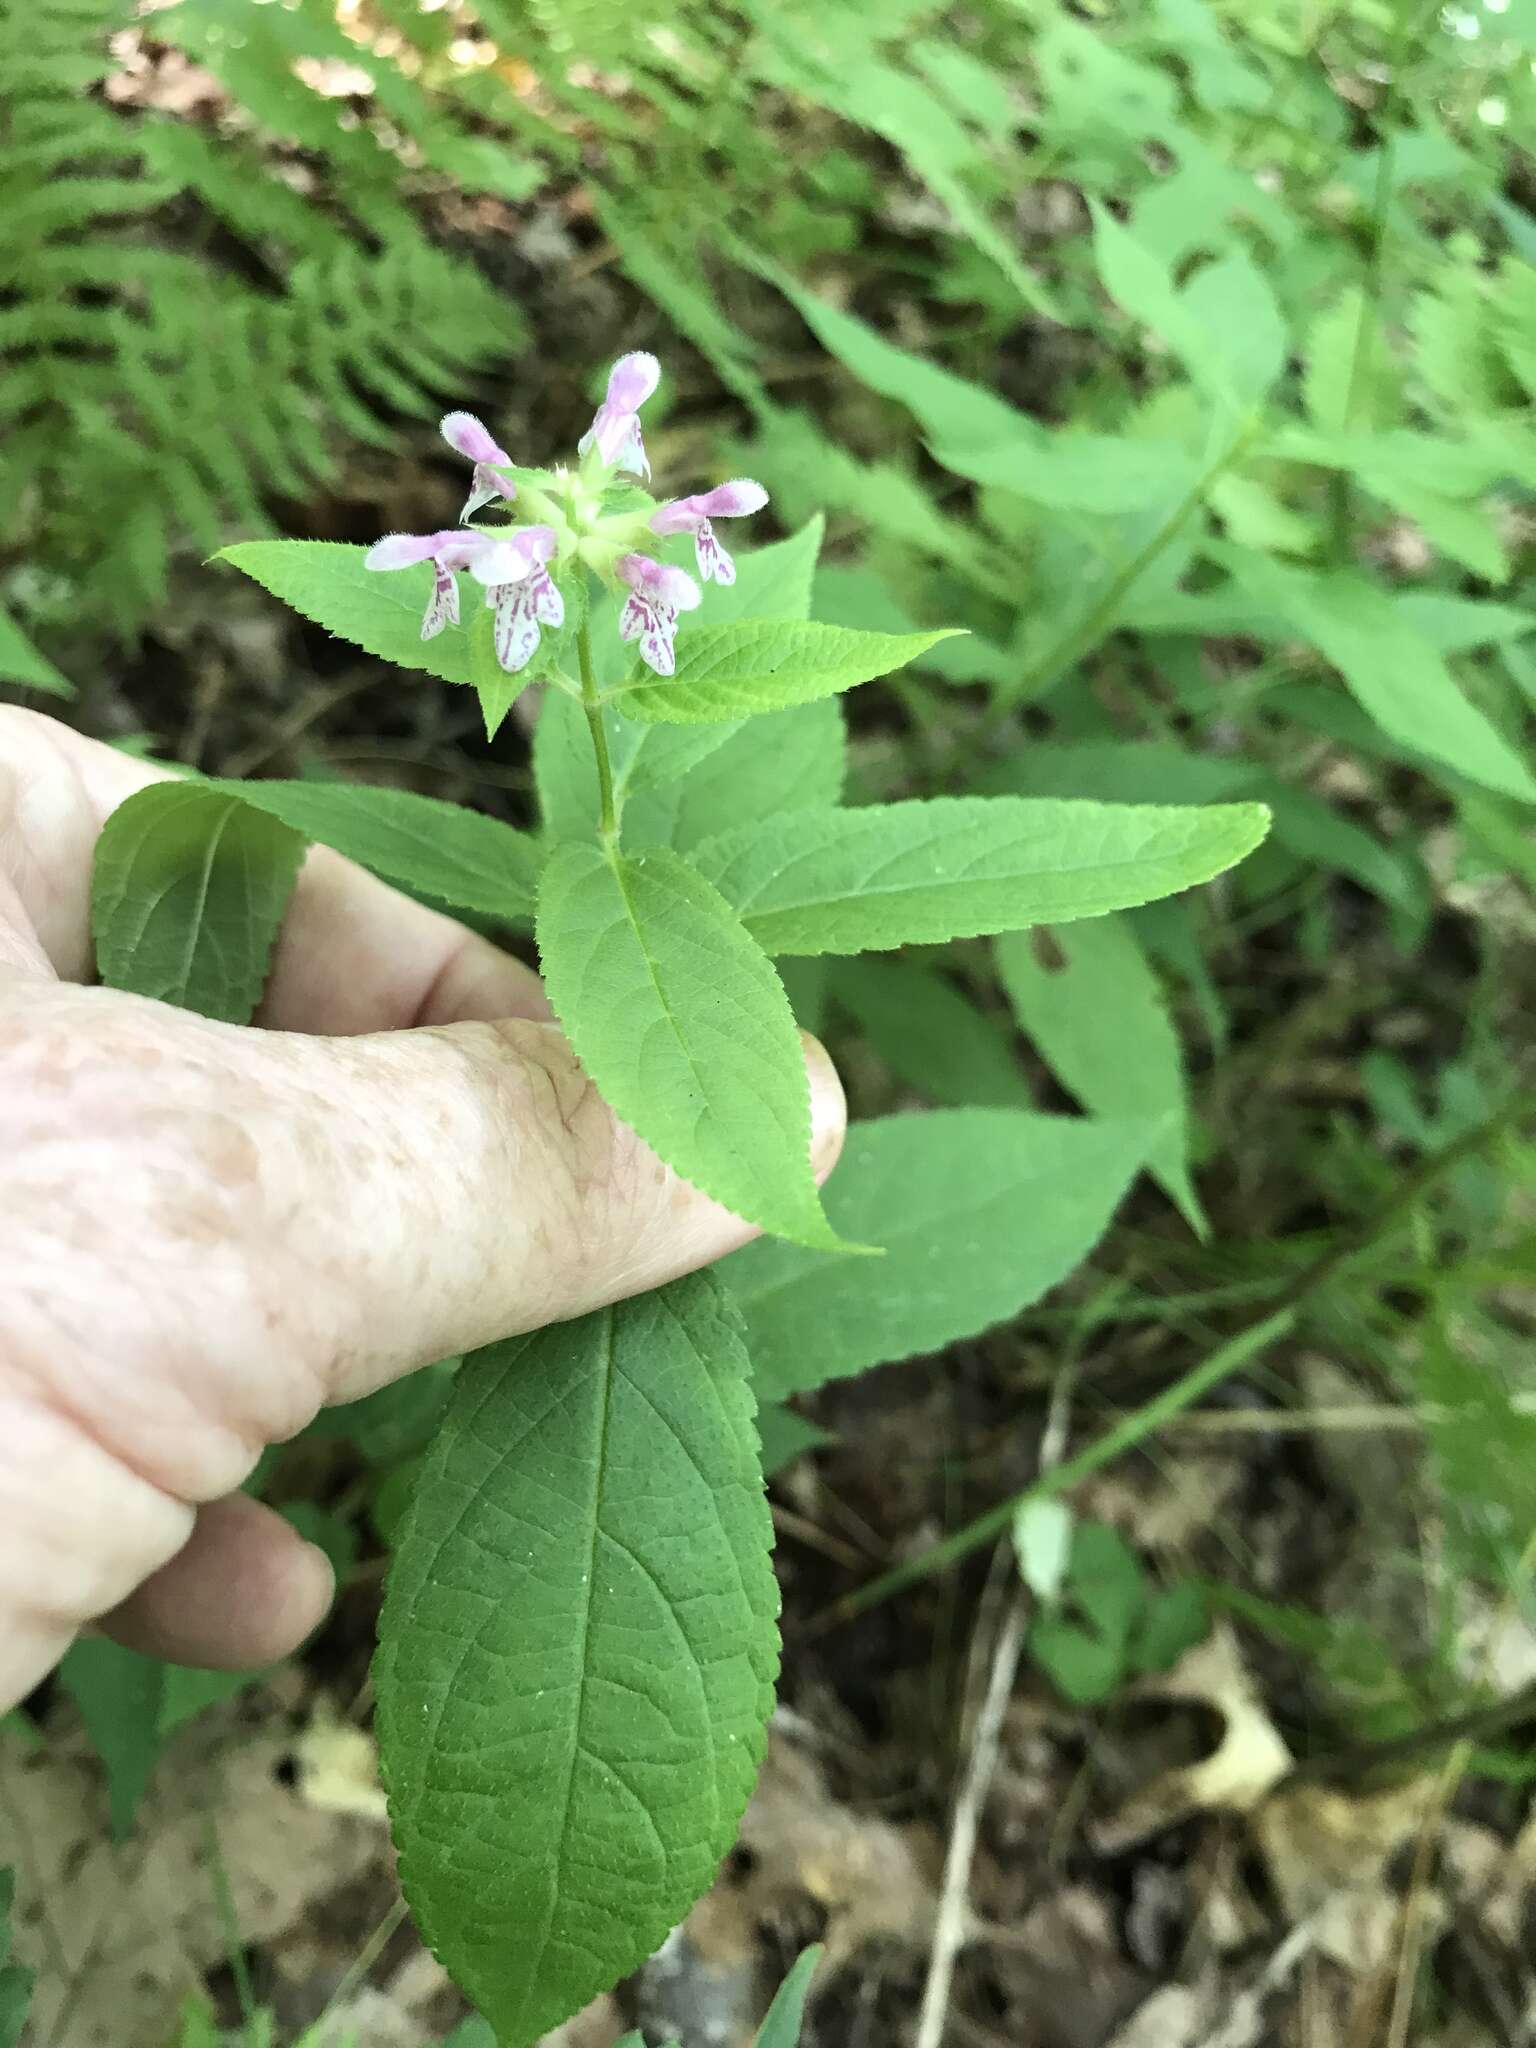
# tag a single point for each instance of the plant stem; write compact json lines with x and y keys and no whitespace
{"x":1409,"y":26}
{"x":608,"y":821}
{"x":229,"y":1920}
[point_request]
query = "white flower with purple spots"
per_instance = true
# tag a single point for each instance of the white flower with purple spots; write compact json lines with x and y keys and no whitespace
{"x":657,"y":593}
{"x":448,"y":551}
{"x":521,"y":590}
{"x":465,"y":435}
{"x":582,"y":523}
{"x":694,"y":515}
{"x":615,"y":428}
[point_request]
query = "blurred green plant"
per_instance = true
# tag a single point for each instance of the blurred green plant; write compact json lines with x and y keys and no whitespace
{"x":15,"y":1982}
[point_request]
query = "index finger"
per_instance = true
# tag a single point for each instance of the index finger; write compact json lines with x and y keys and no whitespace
{"x":353,"y":954}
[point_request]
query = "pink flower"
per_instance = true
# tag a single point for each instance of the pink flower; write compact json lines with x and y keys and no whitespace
{"x":521,"y":589}
{"x":693,"y":515}
{"x":449,"y":551}
{"x":657,"y":594}
{"x":615,"y":426}
{"x":464,"y":433}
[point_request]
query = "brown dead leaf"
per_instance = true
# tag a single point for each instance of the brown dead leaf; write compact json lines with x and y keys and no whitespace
{"x":1248,"y":1760}
{"x":338,"y":1767}
{"x":870,"y":1879}
{"x":138,"y":1927}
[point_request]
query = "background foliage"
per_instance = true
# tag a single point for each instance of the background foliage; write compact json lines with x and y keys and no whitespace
{"x":1180,"y":350}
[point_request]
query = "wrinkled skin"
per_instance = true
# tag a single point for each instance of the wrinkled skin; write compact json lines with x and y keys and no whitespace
{"x":208,"y":1233}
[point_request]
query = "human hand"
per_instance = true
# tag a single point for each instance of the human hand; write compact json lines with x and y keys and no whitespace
{"x":209,"y":1233}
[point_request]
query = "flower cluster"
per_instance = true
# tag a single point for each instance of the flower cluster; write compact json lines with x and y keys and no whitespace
{"x":580,"y":519}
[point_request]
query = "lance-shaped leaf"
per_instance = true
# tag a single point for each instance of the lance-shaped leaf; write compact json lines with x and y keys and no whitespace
{"x":1096,"y":1012}
{"x":932,"y":1036}
{"x":980,"y":1210}
{"x":766,"y":664}
{"x":379,"y":612}
{"x":458,"y":856}
{"x":1391,"y":672}
{"x":786,"y":2016}
{"x":578,"y":1650}
{"x":21,"y":662}
{"x":685,"y":1028}
{"x":918,"y":873}
{"x":189,"y":887}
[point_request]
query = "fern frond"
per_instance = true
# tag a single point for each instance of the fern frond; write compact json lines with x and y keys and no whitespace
{"x":149,"y":396}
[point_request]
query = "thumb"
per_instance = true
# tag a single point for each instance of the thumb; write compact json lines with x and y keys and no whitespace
{"x":467,"y":1182}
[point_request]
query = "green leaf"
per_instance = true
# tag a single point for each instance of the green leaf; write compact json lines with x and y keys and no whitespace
{"x":684,"y":1027}
{"x":1467,"y":533}
{"x":678,"y":784}
{"x":976,"y":434}
{"x":981,"y":1211}
{"x":785,"y":760}
{"x":394,"y":1420}
{"x":187,"y":1691}
{"x":1106,"y":1581}
{"x":1142,"y":284}
{"x":930,"y":1035}
{"x":119,"y":1696}
{"x":786,"y":1436}
{"x":670,"y":792}
{"x":1172,"y":1622}
{"x":1243,"y":334}
{"x":578,"y":1650}
{"x":786,"y":2016}
{"x":15,"y":1982}
{"x":772,"y":582}
{"x":199,"y":2026}
{"x":377,"y":610}
{"x":478,"y":2033}
{"x":1084,"y":1667}
{"x":1391,"y":672}
{"x":20,"y":662}
{"x":189,"y":888}
{"x":1483,"y":1438}
{"x":458,"y":856}
{"x":1349,"y":379}
{"x":15,"y":1999}
{"x":918,"y":873}
{"x":1100,"y":1021}
{"x":765,"y":664}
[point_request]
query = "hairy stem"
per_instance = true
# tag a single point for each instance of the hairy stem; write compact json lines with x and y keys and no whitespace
{"x":608,"y":818}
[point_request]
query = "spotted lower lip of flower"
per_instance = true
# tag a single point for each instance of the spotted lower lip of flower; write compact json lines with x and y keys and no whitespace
{"x":449,"y":551}
{"x":615,"y":428}
{"x":467,"y":437}
{"x":657,"y":593}
{"x":693,"y":515}
{"x":521,"y":590}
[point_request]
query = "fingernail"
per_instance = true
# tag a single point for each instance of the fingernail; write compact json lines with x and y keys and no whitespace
{"x":829,"y":1108}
